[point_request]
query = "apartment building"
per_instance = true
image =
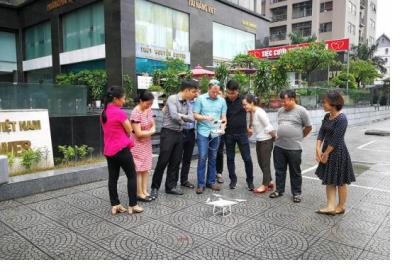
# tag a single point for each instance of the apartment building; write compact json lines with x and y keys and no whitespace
{"x":326,"y":19}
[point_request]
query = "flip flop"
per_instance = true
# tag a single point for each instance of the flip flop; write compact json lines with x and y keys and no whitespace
{"x":330,"y":213}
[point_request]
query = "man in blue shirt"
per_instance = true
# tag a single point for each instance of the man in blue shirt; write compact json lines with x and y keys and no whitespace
{"x":208,"y":109}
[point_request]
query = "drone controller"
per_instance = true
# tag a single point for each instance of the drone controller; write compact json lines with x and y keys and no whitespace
{"x":217,"y":128}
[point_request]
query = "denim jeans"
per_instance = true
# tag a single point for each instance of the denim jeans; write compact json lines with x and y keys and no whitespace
{"x":207,"y":149}
{"x":243,"y":143}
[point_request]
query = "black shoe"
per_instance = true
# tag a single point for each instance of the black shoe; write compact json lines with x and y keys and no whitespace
{"x":188,"y":184}
{"x":232,"y":185}
{"x":144,"y":199}
{"x":174,"y":191}
{"x":275,"y":194}
{"x":154,"y":193}
{"x":251,"y":187}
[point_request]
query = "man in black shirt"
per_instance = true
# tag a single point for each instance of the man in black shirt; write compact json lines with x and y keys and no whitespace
{"x":237,"y":133}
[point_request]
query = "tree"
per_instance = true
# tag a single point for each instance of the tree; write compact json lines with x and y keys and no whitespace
{"x":171,"y":75}
{"x":244,"y":61}
{"x":221,"y":73}
{"x":263,"y":83}
{"x":305,"y":60}
{"x":366,"y":52}
{"x":341,"y":80}
{"x":364,"y":72}
{"x":298,"y":38}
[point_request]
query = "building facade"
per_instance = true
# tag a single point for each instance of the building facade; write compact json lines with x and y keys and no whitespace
{"x":383,"y":50}
{"x":41,"y":38}
{"x":325,"y":19}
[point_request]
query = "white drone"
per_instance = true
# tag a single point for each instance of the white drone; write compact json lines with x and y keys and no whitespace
{"x":222,"y":206}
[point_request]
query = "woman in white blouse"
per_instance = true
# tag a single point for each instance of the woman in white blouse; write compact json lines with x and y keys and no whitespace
{"x":265,"y":135}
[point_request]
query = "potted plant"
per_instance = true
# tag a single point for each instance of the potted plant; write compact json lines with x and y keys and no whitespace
{"x":157,"y":91}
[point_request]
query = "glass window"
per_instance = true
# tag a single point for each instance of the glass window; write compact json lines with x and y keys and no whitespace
{"x":84,"y":28}
{"x":8,"y":47}
{"x":278,"y":33}
{"x":229,"y":42}
{"x":326,"y":6}
{"x":325,"y":27}
{"x":302,"y":9}
{"x":159,"y":26}
{"x":303,"y":28}
{"x":37,"y":41}
{"x":279,"y":14}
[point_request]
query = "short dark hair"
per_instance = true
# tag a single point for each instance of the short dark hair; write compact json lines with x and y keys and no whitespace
{"x":252,"y":99}
{"x":290,"y":93}
{"x":232,"y":85}
{"x":144,"y":96}
{"x":189,"y":84}
{"x":335,"y":99}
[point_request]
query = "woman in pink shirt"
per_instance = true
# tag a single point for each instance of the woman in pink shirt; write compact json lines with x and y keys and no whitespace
{"x":117,"y":144}
{"x":143,"y":125}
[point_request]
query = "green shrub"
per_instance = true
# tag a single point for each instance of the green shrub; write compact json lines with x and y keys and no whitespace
{"x":30,"y":157}
{"x":68,"y":153}
{"x":11,"y":159}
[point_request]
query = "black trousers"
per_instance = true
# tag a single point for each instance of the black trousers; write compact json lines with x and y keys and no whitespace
{"x":123,"y":159}
{"x":220,"y":155}
{"x":283,"y":158}
{"x":170,"y":154}
{"x":188,"y":144}
{"x":242,"y":140}
{"x":264,"y":154}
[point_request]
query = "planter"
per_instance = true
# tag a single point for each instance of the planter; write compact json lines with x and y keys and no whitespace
{"x":97,"y":103}
{"x":155,"y":104}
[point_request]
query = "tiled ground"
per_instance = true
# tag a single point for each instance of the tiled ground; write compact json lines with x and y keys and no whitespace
{"x":76,"y":223}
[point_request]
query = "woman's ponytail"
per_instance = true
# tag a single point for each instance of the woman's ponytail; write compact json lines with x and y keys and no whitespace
{"x":112,"y":92}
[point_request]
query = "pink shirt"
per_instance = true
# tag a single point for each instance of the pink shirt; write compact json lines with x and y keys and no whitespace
{"x":115,"y":137}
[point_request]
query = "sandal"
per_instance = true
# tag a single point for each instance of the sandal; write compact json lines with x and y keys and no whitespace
{"x":297,"y":198}
{"x":275,"y":194}
{"x":341,"y":212}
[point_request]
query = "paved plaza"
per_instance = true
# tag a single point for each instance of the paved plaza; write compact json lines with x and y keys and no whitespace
{"x":76,"y":223}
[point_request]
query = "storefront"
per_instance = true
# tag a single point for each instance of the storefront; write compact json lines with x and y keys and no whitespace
{"x":129,"y":36}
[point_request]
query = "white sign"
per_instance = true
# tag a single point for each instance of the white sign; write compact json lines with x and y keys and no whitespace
{"x":144,"y":82}
{"x":158,"y":53}
{"x":24,"y":129}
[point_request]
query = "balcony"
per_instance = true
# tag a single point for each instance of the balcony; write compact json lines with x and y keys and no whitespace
{"x":276,"y":18}
{"x":363,"y":4}
{"x":362,"y":22}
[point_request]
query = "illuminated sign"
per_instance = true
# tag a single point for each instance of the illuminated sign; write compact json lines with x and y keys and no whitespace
{"x":55,"y":4}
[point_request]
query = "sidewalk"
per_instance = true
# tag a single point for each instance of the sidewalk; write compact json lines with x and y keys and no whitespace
{"x":75,"y":223}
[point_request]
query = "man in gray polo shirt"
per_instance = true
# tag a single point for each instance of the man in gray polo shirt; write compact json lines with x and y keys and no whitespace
{"x":175,"y":116}
{"x":293,"y":125}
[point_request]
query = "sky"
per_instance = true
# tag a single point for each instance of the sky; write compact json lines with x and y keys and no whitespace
{"x":384,"y":22}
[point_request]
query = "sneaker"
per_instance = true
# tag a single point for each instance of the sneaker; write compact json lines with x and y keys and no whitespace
{"x":297,"y":198}
{"x":232,"y":185}
{"x":199,"y":190}
{"x":219,"y":178}
{"x":251,"y":187}
{"x":214,"y":187}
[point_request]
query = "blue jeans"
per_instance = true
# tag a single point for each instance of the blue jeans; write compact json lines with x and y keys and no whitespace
{"x":207,"y":149}
{"x":243,"y":142}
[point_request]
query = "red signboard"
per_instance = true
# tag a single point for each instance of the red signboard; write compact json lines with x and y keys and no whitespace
{"x":275,"y":52}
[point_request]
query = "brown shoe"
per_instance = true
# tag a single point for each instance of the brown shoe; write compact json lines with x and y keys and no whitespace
{"x":118,"y":209}
{"x":135,"y":209}
{"x":216,"y":187}
{"x":199,"y":190}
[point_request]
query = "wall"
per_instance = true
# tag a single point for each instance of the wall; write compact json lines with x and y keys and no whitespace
{"x":355,"y":116}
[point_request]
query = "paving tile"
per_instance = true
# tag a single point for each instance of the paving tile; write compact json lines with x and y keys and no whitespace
{"x":285,"y":244}
{"x":8,"y":204}
{"x":128,"y":245}
{"x":15,"y":247}
{"x":328,"y":250}
{"x":212,"y":251}
{"x":178,"y":240}
{"x":99,"y":230}
{"x":367,"y":255}
{"x":379,"y":246}
{"x":33,"y":198}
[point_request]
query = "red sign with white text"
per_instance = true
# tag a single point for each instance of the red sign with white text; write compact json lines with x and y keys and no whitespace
{"x":275,"y":52}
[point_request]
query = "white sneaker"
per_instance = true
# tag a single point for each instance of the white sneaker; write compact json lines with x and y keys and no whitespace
{"x":219,"y":178}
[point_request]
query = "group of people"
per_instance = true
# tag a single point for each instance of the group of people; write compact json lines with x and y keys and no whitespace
{"x":215,"y":120}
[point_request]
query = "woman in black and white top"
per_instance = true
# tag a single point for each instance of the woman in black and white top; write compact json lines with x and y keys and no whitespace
{"x":265,"y":135}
